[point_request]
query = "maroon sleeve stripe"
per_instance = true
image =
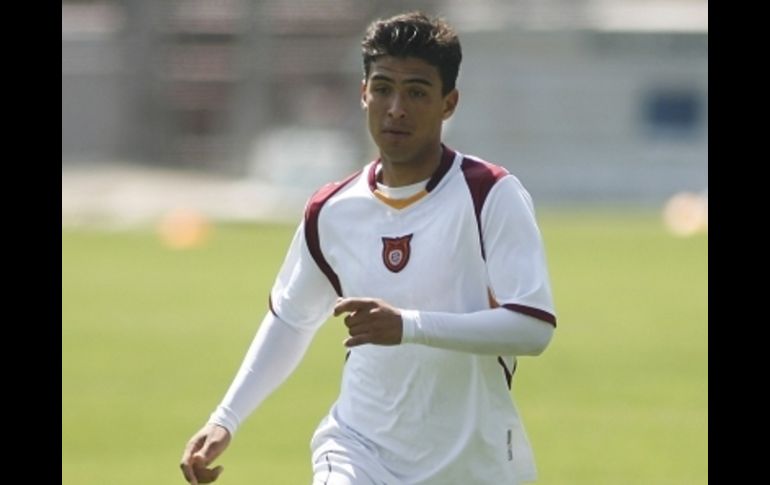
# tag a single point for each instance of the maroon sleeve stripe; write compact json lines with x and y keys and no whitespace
{"x":508,"y":374}
{"x":480,"y":177}
{"x":270,"y":305}
{"x":311,"y":228}
{"x":532,"y":312}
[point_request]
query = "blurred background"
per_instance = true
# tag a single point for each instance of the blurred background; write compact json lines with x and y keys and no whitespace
{"x":249,"y":105}
{"x":193,"y":132}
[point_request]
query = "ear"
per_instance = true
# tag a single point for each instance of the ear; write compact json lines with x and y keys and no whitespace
{"x":450,"y":103}
{"x":363,"y":94}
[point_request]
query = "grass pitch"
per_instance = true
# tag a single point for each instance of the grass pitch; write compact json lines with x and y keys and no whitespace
{"x":152,"y":337}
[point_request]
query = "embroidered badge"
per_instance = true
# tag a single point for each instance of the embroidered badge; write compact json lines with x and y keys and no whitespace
{"x":395,"y":252}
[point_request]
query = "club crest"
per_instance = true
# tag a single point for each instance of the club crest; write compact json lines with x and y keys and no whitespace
{"x":395,"y":252}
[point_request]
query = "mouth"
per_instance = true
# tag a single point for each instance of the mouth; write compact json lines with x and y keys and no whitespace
{"x":396,"y":132}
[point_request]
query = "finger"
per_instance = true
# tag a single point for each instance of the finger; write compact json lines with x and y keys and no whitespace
{"x":353,"y":305}
{"x":362,"y":316}
{"x":216,"y":472}
{"x":357,"y":340}
{"x":210,"y":451}
{"x":358,"y":330}
{"x":347,"y":305}
{"x":207,"y":475}
{"x":192,"y":446}
{"x":188,"y":473}
{"x":358,"y":318}
{"x":188,"y":459}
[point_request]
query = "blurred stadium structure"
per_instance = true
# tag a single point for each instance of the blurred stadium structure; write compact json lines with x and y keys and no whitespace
{"x":241,"y":108}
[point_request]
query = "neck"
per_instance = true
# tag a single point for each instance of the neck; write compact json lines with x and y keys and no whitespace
{"x":406,"y":172}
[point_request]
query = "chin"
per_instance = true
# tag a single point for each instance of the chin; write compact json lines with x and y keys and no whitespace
{"x":397,"y":155}
{"x":396,"y":149}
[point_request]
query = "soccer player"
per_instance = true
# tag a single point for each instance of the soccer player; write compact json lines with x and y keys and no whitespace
{"x":437,"y":264}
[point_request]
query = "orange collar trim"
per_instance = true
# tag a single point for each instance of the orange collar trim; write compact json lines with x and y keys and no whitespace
{"x":400,"y":203}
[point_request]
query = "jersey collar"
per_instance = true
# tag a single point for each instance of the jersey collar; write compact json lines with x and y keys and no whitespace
{"x":447,"y":156}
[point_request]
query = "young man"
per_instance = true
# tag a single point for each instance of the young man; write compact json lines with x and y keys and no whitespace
{"x":436,"y":261}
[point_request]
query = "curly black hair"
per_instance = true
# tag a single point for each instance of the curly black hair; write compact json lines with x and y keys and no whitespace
{"x":414,"y":34}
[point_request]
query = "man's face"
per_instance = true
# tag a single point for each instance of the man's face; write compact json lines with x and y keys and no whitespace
{"x":404,"y":107}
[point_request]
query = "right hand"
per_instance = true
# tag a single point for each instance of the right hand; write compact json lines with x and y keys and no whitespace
{"x":202,"y":449}
{"x":370,"y":321}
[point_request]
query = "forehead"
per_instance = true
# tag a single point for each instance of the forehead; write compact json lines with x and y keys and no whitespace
{"x":404,"y":68}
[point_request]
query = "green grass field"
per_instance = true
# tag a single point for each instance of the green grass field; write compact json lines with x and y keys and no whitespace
{"x":151,"y":338}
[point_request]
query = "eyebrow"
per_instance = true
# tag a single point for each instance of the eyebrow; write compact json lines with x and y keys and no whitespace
{"x":416,"y":80}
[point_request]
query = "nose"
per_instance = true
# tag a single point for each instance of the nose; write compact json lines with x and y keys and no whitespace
{"x":396,"y":108}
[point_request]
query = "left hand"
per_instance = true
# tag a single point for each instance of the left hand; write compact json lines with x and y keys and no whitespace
{"x":203,"y":448}
{"x":370,"y":321}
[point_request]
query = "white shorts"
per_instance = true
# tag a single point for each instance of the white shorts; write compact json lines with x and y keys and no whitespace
{"x":343,"y":457}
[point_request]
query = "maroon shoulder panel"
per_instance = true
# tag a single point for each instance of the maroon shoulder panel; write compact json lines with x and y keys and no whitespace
{"x":311,"y":227}
{"x":481,"y":177}
{"x":447,"y":157}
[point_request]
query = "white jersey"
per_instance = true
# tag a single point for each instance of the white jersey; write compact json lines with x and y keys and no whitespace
{"x":467,"y":242}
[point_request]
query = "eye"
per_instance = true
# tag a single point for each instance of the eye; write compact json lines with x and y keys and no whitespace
{"x":417,"y":93}
{"x":381,"y":89}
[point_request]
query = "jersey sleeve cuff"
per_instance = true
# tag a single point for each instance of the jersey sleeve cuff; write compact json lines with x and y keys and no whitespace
{"x":226,"y":418}
{"x":411,"y":326}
